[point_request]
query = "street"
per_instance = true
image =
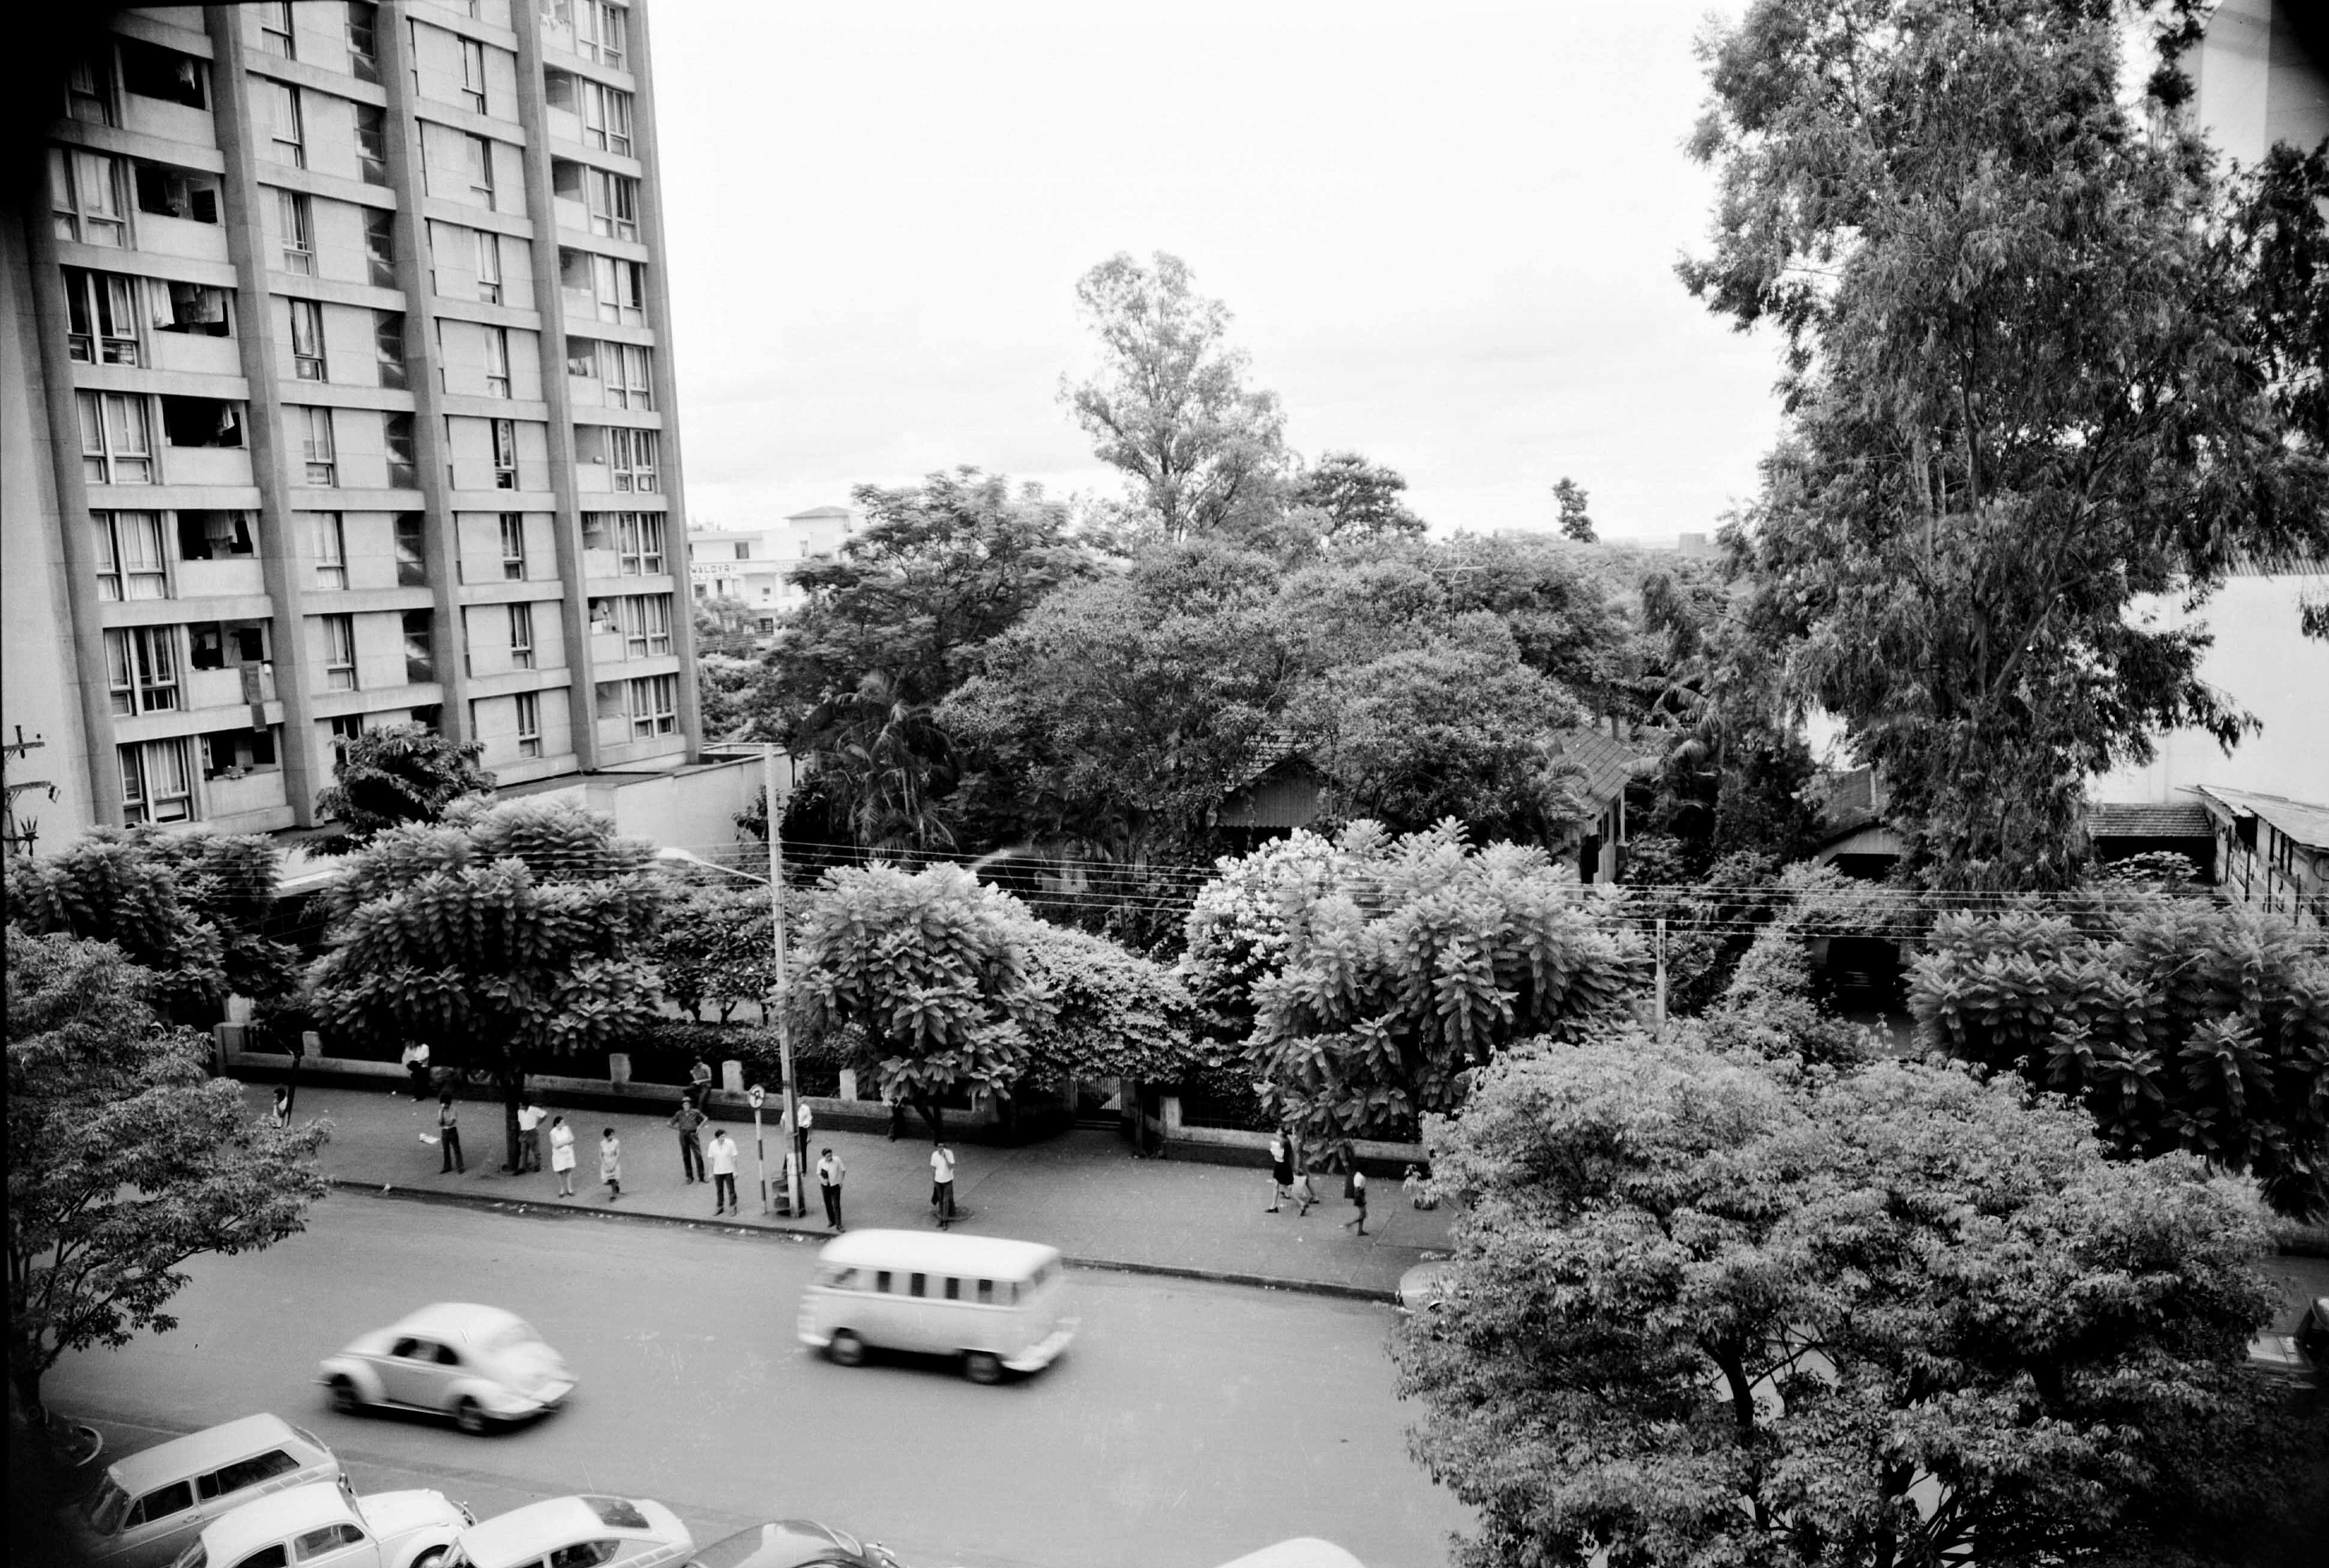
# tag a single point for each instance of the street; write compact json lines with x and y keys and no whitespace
{"x":1189,"y":1424}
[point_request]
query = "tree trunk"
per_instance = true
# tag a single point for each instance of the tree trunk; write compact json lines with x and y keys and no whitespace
{"x":512,"y":1087}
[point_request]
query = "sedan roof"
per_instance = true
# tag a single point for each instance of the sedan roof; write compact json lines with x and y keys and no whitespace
{"x":270,"y":1518}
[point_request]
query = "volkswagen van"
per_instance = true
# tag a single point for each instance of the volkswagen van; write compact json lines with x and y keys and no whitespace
{"x":1000,"y":1306}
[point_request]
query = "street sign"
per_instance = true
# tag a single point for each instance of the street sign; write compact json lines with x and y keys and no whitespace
{"x":754,"y":1095}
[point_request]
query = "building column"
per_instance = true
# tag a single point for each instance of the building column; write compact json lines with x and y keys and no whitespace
{"x":282,"y":553}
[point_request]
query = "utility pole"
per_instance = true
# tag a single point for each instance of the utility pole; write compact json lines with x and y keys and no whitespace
{"x":1662,"y":974}
{"x":16,"y":835}
{"x":777,"y":926}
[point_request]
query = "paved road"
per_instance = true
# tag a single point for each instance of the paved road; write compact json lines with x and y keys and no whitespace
{"x":1190,"y":1423}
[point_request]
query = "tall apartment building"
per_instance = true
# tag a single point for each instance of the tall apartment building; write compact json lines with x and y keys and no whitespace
{"x":335,"y":392}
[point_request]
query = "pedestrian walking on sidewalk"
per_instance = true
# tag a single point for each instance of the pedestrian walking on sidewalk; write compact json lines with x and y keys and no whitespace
{"x":688,"y":1122}
{"x":448,"y":1137}
{"x":897,"y":1104}
{"x":1281,"y":1171}
{"x":610,"y":1164}
{"x":529,"y":1135}
{"x":561,"y":1154}
{"x":829,"y":1172}
{"x":282,"y":1115}
{"x":1355,"y":1188}
{"x":416,"y":1064}
{"x":942,"y":1185}
{"x":724,"y":1173}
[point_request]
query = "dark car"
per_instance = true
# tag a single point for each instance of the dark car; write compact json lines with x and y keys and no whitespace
{"x":2300,"y":1357}
{"x":793,"y":1543}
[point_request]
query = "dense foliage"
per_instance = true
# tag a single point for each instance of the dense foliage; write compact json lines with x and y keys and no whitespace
{"x":126,"y":1158}
{"x":1106,"y":1012}
{"x":715,"y":946}
{"x":2179,"y":1024}
{"x":1704,"y":1310}
{"x":399,"y":773}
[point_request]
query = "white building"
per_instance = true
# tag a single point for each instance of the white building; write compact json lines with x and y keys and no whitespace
{"x":751,"y":565}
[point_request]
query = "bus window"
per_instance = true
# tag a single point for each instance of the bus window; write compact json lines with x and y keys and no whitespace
{"x":954,"y":1289}
{"x":987,"y":1292}
{"x":882,"y":1281}
{"x":916,"y":1287}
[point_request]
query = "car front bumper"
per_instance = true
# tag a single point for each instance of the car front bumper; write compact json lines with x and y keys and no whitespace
{"x":1041,"y":1355}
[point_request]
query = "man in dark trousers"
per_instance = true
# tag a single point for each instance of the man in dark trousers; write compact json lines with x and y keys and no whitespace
{"x":688,"y":1122}
{"x":829,"y":1172}
{"x":448,"y":1137}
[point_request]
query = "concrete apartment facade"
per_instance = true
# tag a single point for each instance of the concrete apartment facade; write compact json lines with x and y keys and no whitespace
{"x":335,"y":392}
{"x":749,"y":565}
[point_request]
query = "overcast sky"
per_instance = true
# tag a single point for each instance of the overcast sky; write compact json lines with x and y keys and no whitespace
{"x":1446,"y":230}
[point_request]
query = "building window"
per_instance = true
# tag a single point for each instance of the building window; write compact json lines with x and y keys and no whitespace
{"x":497,"y":361}
{"x":87,"y":190}
{"x":617,"y":288}
{"x":655,"y":706}
{"x":614,"y":203}
{"x":646,"y":626}
{"x":186,"y":194}
{"x":141,"y":669}
{"x":639,"y":543}
{"x":297,"y":221}
{"x":213,"y":535}
{"x":598,"y":31}
{"x":308,"y":340}
{"x":632,"y":456}
{"x":287,"y":125}
{"x":473,"y":75}
{"x":343,"y":729}
{"x":331,"y":547}
{"x":396,"y":436}
{"x":232,"y":753}
{"x":156,"y":786}
{"x":88,"y":98}
{"x":529,"y":722}
{"x":504,"y":454}
{"x":116,"y":440}
{"x":481,"y":170}
{"x":339,"y":653}
{"x":150,"y":70}
{"x":379,"y":246}
{"x":606,"y":116}
{"x":129,"y":561}
{"x":364,"y":41}
{"x":521,"y":618}
{"x":274,"y":29}
{"x":388,"y":347}
{"x":420,"y":648}
{"x":371,"y":143}
{"x":101,"y":316}
{"x":629,"y":370}
{"x":314,"y":428}
{"x":489,"y":266}
{"x":513,"y":546}
{"x":199,"y":308}
{"x":412,"y":552}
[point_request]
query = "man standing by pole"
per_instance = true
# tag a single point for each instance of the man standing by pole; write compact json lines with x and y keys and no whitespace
{"x":776,"y":804}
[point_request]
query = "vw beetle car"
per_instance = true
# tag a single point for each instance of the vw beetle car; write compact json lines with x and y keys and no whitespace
{"x":478,"y":1365}
{"x":587,"y":1532}
{"x":326,"y":1525}
{"x":793,"y":1543}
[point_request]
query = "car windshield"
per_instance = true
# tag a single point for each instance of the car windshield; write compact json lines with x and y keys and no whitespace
{"x":105,"y":1506}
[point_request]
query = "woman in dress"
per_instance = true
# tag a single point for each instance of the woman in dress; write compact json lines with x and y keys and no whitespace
{"x":610,"y":1164}
{"x":561,"y":1154}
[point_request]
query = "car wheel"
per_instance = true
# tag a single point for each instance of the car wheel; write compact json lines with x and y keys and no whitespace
{"x":846,"y":1349}
{"x":345,"y":1398}
{"x":982,"y":1366}
{"x":430,"y":1559}
{"x":469,"y":1416}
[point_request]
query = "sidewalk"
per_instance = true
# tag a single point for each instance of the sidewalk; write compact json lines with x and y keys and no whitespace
{"x":1082,"y":1192}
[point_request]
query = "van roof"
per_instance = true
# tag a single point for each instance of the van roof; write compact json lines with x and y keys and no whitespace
{"x":198,"y":1451}
{"x":993,"y":1256}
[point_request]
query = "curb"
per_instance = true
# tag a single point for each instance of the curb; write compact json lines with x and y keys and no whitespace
{"x":795,"y":1236}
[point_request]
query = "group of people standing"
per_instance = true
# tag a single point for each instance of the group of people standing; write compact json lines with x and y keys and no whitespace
{"x":1290,"y":1182}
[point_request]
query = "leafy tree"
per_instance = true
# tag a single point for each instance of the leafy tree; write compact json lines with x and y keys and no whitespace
{"x":190,"y":908}
{"x":1576,"y":523}
{"x":398,"y":774}
{"x":924,"y":978}
{"x":2188,"y":1026}
{"x":1170,"y":406}
{"x":1705,"y":1309}
{"x":713,"y":947}
{"x":1358,"y":499}
{"x":1386,"y":969}
{"x":1565,"y":620}
{"x":2041,"y":361}
{"x":894,"y":623}
{"x":126,"y":1159}
{"x":1107,"y":1012}
{"x":505,"y":936}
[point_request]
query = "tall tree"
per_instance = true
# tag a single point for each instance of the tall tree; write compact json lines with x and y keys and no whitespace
{"x":1170,"y":405}
{"x":505,"y":936}
{"x":126,"y":1158}
{"x":1704,"y":1310}
{"x":401,"y":773}
{"x":1358,"y":499}
{"x":1576,"y":523}
{"x":2040,"y":363}
{"x":894,"y":623}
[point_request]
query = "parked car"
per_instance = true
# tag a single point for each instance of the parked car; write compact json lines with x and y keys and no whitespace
{"x":2301,"y":1356}
{"x":326,"y":1525}
{"x":152,"y":1503}
{"x":793,"y":1543}
{"x":999,"y":1305}
{"x":576,"y":1532}
{"x":478,"y":1365}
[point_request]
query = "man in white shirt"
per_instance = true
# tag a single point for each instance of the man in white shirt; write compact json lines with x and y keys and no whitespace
{"x":724,"y":1173}
{"x":942,"y":1185}
{"x":829,"y":1172}
{"x":529,"y":1135}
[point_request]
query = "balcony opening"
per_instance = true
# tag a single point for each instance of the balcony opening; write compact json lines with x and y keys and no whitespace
{"x":232,"y":753}
{"x":174,"y":192}
{"x":201,"y":422}
{"x":150,"y":70}
{"x":215,"y":535}
{"x":193,"y":307}
{"x":227,"y":645}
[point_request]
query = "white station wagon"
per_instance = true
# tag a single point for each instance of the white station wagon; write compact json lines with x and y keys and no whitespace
{"x":325,"y":1526}
{"x":151,"y":1503}
{"x":478,"y":1365}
